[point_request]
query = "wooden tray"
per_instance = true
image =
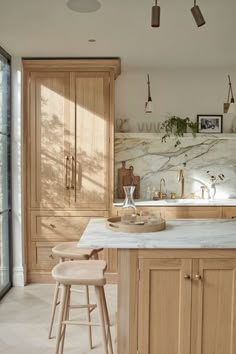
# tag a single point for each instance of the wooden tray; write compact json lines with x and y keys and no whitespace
{"x":115,"y":224}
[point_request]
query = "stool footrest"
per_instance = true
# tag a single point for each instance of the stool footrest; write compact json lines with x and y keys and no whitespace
{"x":71,"y":322}
{"x":91,"y":307}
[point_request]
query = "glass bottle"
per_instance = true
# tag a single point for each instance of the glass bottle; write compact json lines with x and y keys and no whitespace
{"x":128,"y":213}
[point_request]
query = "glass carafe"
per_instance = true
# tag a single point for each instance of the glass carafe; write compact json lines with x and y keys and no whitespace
{"x":128,"y":213}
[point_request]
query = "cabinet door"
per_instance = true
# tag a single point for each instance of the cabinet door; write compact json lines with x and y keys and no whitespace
{"x":214,"y":307}
{"x":229,"y":212}
{"x":91,"y":161}
{"x":49,"y":139}
{"x":164,"y":306}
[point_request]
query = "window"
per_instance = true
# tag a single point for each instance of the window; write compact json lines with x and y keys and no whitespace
{"x":5,"y":172}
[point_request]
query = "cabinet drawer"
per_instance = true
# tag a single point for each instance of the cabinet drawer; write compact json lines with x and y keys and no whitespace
{"x":229,"y":212}
{"x":41,"y":257}
{"x":59,"y":227}
{"x":193,"y":212}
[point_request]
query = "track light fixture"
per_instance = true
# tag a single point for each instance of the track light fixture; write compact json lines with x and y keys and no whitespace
{"x":196,"y":12}
{"x":148,"y":104}
{"x":229,"y":106}
{"x":156,"y":11}
{"x":198,"y":17}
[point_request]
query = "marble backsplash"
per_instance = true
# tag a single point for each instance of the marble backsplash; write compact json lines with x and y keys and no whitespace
{"x":153,"y":160}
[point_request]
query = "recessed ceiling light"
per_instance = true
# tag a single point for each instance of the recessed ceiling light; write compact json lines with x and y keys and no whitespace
{"x":92,"y":40}
{"x":83,"y":5}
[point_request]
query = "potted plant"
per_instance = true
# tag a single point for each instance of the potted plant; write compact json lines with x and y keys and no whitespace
{"x":177,"y":126}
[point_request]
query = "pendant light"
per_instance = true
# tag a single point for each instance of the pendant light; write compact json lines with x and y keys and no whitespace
{"x":229,"y":106}
{"x":148,"y":104}
{"x":156,"y":11}
{"x":198,"y":17}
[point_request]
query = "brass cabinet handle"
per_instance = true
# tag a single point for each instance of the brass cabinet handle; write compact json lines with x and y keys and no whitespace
{"x":52,"y":225}
{"x":66,"y":177}
{"x":72,"y":181}
{"x":198,"y":277}
{"x":187,"y":276}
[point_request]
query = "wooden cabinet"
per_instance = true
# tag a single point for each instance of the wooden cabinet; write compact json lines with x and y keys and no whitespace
{"x":165,"y":311}
{"x":191,"y":301}
{"x":68,"y":151}
{"x":214,"y":307}
{"x":181,"y":301}
{"x":229,"y":212}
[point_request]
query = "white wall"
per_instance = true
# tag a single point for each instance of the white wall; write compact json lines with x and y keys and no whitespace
{"x":17,"y":239}
{"x":178,"y":92}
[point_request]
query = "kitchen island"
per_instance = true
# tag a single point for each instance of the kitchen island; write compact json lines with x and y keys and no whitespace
{"x":176,"y":287}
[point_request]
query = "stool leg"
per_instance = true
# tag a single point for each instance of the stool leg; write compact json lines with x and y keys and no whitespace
{"x":65,"y":317}
{"x":89,"y":317}
{"x":107,"y":319}
{"x":60,"y":317}
{"x":101,"y":316}
{"x":54,"y":305}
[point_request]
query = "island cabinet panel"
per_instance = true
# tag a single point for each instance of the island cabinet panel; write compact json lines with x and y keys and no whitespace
{"x":164,"y":315}
{"x":214,"y":303}
{"x":185,"y":304}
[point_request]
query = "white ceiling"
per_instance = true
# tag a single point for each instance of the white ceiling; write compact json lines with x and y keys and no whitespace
{"x":47,"y":28}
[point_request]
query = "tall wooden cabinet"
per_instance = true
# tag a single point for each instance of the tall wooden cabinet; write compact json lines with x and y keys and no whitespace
{"x":68,"y":152}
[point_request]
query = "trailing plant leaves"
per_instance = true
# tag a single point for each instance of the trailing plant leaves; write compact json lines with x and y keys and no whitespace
{"x":177,"y":126}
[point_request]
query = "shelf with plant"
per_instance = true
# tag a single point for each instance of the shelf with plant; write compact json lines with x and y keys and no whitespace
{"x":177,"y":127}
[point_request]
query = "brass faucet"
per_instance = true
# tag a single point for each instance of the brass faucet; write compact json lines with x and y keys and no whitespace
{"x":161,"y":194}
{"x":181,"y":179}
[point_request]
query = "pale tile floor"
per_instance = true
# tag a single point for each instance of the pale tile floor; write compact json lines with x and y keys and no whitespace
{"x":24,"y":318}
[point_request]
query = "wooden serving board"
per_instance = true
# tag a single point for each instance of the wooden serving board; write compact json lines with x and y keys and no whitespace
{"x":126,"y":178}
{"x":115,"y":224}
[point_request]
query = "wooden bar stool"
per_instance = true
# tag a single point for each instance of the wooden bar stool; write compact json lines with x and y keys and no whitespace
{"x":88,"y":273}
{"x":70,"y":251}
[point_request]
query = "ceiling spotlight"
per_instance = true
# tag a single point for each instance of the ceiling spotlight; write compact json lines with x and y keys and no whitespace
{"x":229,"y":106}
{"x":198,"y":17}
{"x":148,"y":104}
{"x":156,"y":11}
{"x":83,"y":5}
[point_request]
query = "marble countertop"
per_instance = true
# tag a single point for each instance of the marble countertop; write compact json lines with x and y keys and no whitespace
{"x":179,"y":233}
{"x":180,"y":202}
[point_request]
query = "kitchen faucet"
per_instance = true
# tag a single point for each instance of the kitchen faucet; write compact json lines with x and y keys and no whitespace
{"x":181,"y":179}
{"x":161,"y":194}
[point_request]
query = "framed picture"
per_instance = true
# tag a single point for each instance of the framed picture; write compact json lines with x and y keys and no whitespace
{"x":210,"y":123}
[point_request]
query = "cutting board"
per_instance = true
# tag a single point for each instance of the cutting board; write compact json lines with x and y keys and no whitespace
{"x":126,"y":177}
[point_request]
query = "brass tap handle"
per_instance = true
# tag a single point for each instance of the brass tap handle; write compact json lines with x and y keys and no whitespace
{"x":187,"y":276}
{"x":72,"y":180}
{"x":198,"y":277}
{"x":66,"y":176}
{"x":202,"y":191}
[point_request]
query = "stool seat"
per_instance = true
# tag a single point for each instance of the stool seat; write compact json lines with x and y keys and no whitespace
{"x":80,"y":272}
{"x":70,"y":250}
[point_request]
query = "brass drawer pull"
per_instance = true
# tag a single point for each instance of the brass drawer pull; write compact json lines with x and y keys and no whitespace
{"x":72,"y":181}
{"x":66,"y":176}
{"x":51,"y":256}
{"x":187,"y":276}
{"x":53,"y":226}
{"x":198,"y":277}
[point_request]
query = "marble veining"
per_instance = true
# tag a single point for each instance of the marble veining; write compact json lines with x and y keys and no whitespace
{"x":179,"y":233}
{"x":153,"y":160}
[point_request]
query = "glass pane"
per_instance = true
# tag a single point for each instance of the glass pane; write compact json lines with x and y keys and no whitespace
{"x":4,"y":172}
{"x":4,"y":95}
{"x":4,"y":251}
